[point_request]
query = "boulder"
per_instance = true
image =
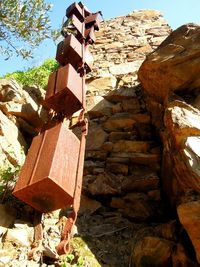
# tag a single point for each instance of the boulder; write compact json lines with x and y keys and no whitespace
{"x":13,"y":145}
{"x":10,"y":91}
{"x":182,"y":120}
{"x":25,"y":104}
{"x":134,"y":205}
{"x":20,"y":236}
{"x":180,"y":257}
{"x":181,"y":141}
{"x":188,"y":214}
{"x":105,"y":184}
{"x":176,"y":61}
{"x":152,"y":251}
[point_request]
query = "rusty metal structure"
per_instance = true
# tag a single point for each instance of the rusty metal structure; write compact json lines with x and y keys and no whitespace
{"x":51,"y":177}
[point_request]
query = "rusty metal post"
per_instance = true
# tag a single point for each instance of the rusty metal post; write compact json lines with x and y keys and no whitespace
{"x":51,"y":177}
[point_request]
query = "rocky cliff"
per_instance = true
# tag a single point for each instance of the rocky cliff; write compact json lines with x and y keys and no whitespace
{"x":170,"y":78}
{"x":141,"y":163}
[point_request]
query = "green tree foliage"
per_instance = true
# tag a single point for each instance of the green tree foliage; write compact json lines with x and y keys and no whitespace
{"x":35,"y":76}
{"x":25,"y":23}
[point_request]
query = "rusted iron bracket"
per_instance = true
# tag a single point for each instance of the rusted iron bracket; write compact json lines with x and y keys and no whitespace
{"x":51,"y":177}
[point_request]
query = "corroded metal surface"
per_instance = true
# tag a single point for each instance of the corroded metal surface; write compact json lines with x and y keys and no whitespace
{"x":64,"y":91}
{"x":75,"y":9}
{"x":93,"y":20}
{"x":69,"y":51}
{"x":47,"y":179}
{"x":90,"y":35}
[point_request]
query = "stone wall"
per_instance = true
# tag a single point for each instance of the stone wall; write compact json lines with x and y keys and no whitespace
{"x":123,"y":152}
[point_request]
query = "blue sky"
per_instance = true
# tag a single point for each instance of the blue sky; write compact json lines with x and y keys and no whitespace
{"x":176,"y":12}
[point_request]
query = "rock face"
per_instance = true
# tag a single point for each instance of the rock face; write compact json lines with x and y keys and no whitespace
{"x":176,"y":61}
{"x":21,"y":117}
{"x":152,"y":251}
{"x":170,"y":80}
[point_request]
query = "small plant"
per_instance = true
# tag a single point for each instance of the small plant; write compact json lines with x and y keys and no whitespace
{"x":7,"y":177}
{"x":71,"y":260}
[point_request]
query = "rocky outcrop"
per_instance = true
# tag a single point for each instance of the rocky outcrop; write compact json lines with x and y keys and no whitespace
{"x":21,"y":117}
{"x":175,"y":61}
{"x":170,"y":79}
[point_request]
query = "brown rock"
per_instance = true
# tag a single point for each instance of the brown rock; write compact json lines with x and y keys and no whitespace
{"x":154,"y":195}
{"x":103,"y":83}
{"x":116,"y":136}
{"x":97,"y":155}
{"x":118,"y":122}
{"x":90,"y":165}
{"x":96,"y":137}
{"x":12,"y":148}
{"x":152,"y":251}
{"x":118,"y":160}
{"x":144,"y":49}
{"x":146,"y":159}
{"x":10,"y":91}
{"x":117,"y":168}
{"x":97,"y":106}
{"x":25,"y":111}
{"x":131,"y":105}
{"x":88,"y":206}
{"x":168,"y":230}
{"x":105,"y":184}
{"x":120,"y":94}
{"x":180,"y":257}
{"x":176,"y":61}
{"x":107,"y":146}
{"x":145,"y":14}
{"x":20,"y":103}
{"x":117,"y":108}
{"x":140,"y":183}
{"x":188,"y":214}
{"x":131,"y":146}
{"x":142,"y":118}
{"x":125,"y":68}
{"x":182,"y":120}
{"x":133,"y":205}
{"x":157,"y":111}
{"x":182,"y":166}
